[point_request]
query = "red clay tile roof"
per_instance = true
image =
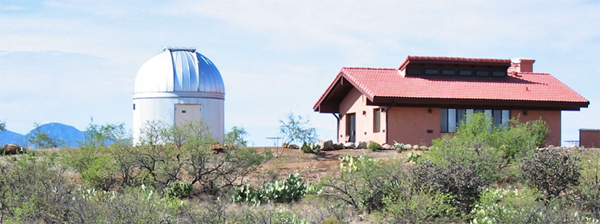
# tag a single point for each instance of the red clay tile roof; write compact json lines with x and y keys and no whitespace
{"x":528,"y":86}
{"x":453,"y":60}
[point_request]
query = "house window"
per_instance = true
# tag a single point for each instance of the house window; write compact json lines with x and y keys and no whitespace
{"x":482,"y":73}
{"x":376,"y":120}
{"x":448,"y":72}
{"x":465,"y":72}
{"x":432,"y":71}
{"x":413,"y":71}
{"x":499,"y":73}
{"x":451,"y":118}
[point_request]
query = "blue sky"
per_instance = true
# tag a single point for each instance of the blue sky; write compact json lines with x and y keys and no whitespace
{"x":68,"y":61}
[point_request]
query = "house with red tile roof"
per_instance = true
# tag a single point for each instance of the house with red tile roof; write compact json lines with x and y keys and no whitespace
{"x":426,"y":97}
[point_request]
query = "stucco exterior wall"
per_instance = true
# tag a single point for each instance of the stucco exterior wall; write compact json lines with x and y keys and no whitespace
{"x":356,"y":103}
{"x":413,"y":125}
{"x":419,"y":125}
{"x":589,"y":138}
{"x":552,"y":118}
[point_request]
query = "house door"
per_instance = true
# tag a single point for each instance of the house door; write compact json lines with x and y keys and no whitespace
{"x":351,"y":127}
{"x":186,"y":113}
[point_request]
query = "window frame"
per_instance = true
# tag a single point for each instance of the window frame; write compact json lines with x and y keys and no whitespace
{"x":376,"y":120}
{"x":451,"y":118}
{"x":453,"y":71}
{"x":482,"y":73}
{"x":461,"y":71}
{"x":414,"y":71}
{"x":427,"y":70}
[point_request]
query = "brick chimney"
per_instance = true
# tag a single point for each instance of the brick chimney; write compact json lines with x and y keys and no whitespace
{"x":521,"y":65}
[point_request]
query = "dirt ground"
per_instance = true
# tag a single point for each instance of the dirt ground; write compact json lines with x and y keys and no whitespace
{"x":312,"y":167}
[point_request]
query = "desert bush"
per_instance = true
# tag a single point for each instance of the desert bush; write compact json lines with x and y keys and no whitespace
{"x":296,"y":130}
{"x":374,"y":146}
{"x":291,"y":189}
{"x":235,"y":137}
{"x":319,"y":209}
{"x":478,"y":154}
{"x":418,"y":207}
{"x":506,"y":206}
{"x":310,"y":147}
{"x":165,"y":153}
{"x":95,"y":160}
{"x":32,"y":190}
{"x":163,"y":156}
{"x":588,"y":189}
{"x":463,"y":181}
{"x":551,"y":171}
{"x":514,"y":142}
{"x":414,"y":157}
{"x":398,"y":145}
{"x":222,"y":211}
{"x":522,"y":139}
{"x":269,"y":214}
{"x":526,"y":211}
{"x":179,"y":189}
{"x":131,"y":205}
{"x":104,"y":158}
{"x":363,"y":183}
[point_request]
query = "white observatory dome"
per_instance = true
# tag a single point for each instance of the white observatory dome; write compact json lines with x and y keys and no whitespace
{"x":176,"y":86}
{"x":179,"y":70}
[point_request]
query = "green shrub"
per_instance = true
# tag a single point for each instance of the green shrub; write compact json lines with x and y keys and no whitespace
{"x":462,"y":181}
{"x":418,"y":207}
{"x":311,"y":147}
{"x":179,"y":189}
{"x":235,"y":137}
{"x":100,"y":173}
{"x":477,"y":155}
{"x":520,"y":140}
{"x":350,"y":163}
{"x":374,"y":146}
{"x":551,"y":171}
{"x":398,"y":146}
{"x":133,"y":205}
{"x":296,"y":130}
{"x":520,"y":208}
{"x":34,"y":190}
{"x":97,"y":160}
{"x":414,"y":157}
{"x":506,"y":206}
{"x":363,"y":183}
{"x":588,"y":189}
{"x":292,"y":188}
{"x":332,"y":221}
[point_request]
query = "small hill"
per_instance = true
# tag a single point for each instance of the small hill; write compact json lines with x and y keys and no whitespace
{"x":67,"y":133}
{"x":11,"y":137}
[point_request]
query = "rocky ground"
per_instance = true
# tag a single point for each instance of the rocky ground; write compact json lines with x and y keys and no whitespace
{"x":312,"y":167}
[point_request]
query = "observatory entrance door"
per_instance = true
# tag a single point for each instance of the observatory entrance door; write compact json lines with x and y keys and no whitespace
{"x":186,"y":113}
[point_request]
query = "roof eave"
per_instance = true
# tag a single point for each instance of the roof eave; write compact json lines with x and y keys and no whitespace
{"x":340,"y":78}
{"x":484,"y":103}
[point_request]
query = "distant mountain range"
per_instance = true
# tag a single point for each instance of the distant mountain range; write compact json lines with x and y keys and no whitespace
{"x":67,"y":133}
